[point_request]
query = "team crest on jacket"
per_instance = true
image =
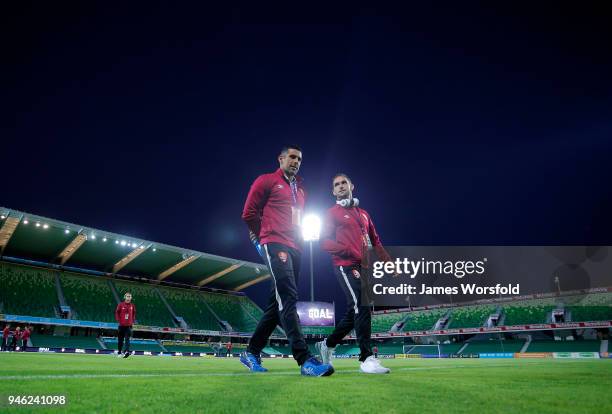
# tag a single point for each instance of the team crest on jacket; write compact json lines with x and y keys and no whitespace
{"x":279,"y":186}
{"x":356,"y":274}
{"x":282,"y":256}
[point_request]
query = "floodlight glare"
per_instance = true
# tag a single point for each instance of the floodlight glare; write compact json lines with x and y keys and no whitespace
{"x":104,"y":239}
{"x":37,"y":224}
{"x":311,"y":227}
{"x":66,"y":231}
{"x":45,"y":226}
{"x":123,"y":242}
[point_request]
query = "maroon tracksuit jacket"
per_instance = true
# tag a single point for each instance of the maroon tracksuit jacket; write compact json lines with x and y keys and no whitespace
{"x":343,"y":235}
{"x":125,"y":314}
{"x":271,"y":211}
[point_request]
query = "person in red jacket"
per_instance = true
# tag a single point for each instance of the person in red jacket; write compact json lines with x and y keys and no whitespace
{"x":16,"y":338}
{"x":273,"y":212}
{"x":348,"y":233}
{"x":5,"y":337}
{"x":24,"y":337}
{"x":125,"y":314}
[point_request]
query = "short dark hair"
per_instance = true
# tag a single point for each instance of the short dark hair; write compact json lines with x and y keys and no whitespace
{"x":341,"y":174}
{"x":286,"y":149}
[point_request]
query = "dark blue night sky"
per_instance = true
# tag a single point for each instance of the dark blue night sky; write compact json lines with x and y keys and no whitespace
{"x":483,"y":125}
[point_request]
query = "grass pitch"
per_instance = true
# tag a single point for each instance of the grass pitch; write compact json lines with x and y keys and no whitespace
{"x":105,"y":384}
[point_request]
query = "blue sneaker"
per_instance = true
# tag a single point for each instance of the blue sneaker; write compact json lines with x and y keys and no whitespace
{"x":252,"y":362}
{"x":315,"y":368}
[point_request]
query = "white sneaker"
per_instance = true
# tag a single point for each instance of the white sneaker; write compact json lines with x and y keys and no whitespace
{"x":372,"y":366}
{"x":119,"y":355}
{"x":325,"y":352}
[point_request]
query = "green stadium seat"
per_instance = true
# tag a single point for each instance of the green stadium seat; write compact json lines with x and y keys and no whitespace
{"x":347,"y":350}
{"x":528,"y":311}
{"x":425,"y":350}
{"x":391,"y":347}
{"x":50,"y":341}
{"x":422,"y":320}
{"x":451,"y":348}
{"x":90,"y":297}
{"x":228,"y":308}
{"x":493,"y":346}
{"x":383,"y":322}
{"x":187,"y":347}
{"x":564,"y":346}
{"x":592,"y":307}
{"x":27,"y":291}
{"x":470,"y":316}
{"x":189,"y":305}
{"x":278,"y":349}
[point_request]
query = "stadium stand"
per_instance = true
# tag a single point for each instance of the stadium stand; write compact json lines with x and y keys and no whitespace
{"x":172,"y":346}
{"x":383,"y":322}
{"x":191,"y":307}
{"x":424,"y":349}
{"x":528,"y":311}
{"x":433,"y":349}
{"x":564,"y":346}
{"x":422,"y":320}
{"x":347,"y":350}
{"x":50,"y":341}
{"x":256,"y":312}
{"x":451,"y":348}
{"x":251,"y":307}
{"x":276,"y":350}
{"x":593,"y":307}
{"x":228,"y":309}
{"x":470,"y":316}
{"x":150,"y":308}
{"x":392,"y":347}
{"x":27,"y":291}
{"x":90,"y":298}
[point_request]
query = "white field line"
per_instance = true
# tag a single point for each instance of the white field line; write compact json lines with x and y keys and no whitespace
{"x":229,"y":374}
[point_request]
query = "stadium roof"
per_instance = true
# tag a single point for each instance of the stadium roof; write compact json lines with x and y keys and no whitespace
{"x":31,"y":237}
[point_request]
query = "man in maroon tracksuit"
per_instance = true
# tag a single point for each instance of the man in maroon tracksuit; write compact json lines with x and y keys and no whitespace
{"x":25,"y":336}
{"x":16,"y":338}
{"x":273,"y":211}
{"x":125,"y":314}
{"x":348,"y":233}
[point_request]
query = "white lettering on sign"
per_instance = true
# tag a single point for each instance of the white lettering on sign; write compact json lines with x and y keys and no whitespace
{"x":323,"y":313}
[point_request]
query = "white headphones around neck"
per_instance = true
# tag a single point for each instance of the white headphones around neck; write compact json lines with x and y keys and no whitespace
{"x":348,"y":202}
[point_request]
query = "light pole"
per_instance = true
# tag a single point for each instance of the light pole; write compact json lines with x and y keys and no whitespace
{"x":558,"y":284}
{"x":311,"y":231}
